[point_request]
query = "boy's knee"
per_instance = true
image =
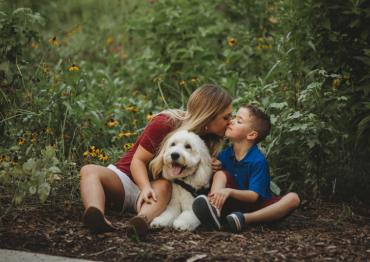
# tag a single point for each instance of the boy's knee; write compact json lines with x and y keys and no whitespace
{"x":294,"y":200}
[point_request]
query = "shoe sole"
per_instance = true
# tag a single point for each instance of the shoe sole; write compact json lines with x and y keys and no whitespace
{"x":203,"y":210}
{"x":137,"y":226}
{"x":94,"y":219}
{"x":234,"y":223}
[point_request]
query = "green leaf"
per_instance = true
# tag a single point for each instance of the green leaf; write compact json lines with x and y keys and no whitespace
{"x":43,"y":191}
{"x":29,"y":166}
{"x":275,"y":188}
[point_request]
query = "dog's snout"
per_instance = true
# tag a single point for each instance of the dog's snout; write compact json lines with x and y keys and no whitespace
{"x":175,"y":156}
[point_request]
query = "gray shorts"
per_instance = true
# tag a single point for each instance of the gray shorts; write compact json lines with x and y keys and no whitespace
{"x":132,"y":191}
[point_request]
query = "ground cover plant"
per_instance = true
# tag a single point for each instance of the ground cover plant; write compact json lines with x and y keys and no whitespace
{"x":80,"y":79}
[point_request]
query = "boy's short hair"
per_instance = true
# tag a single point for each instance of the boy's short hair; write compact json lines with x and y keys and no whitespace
{"x":261,"y":123}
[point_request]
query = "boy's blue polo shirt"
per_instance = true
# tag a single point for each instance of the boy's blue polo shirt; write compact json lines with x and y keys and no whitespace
{"x":250,"y":173}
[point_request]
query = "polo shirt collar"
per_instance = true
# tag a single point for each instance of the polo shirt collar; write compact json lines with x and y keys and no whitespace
{"x":246,"y":157}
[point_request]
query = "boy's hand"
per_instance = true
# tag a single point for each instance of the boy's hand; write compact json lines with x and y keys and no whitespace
{"x":216,"y":164}
{"x":147,"y":195}
{"x":219,"y":198}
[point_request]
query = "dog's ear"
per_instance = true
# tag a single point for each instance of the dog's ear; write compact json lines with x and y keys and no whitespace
{"x":156,"y":164}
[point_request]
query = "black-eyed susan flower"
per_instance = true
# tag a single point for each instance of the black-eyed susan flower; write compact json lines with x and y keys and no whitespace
{"x":54,"y":41}
{"x":21,"y":141}
{"x":149,"y":116}
{"x":132,"y":109}
{"x":93,"y":151}
{"x":4,"y":158}
{"x":74,"y":68}
{"x":231,"y":41}
{"x":182,"y":83}
{"x":103,"y":157}
{"x":128,"y":146}
{"x":112,"y":123}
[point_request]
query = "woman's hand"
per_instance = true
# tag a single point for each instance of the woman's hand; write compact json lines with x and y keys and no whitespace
{"x":216,"y":164}
{"x":219,"y":198}
{"x":147,"y":196}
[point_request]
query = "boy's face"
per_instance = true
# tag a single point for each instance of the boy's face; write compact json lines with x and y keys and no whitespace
{"x":240,"y":127}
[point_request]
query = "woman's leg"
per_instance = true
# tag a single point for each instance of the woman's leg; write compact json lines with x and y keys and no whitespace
{"x":163,"y":190}
{"x":274,"y":212}
{"x":148,"y":211}
{"x":97,"y":185}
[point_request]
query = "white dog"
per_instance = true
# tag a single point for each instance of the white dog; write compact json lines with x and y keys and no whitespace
{"x":185,"y":160}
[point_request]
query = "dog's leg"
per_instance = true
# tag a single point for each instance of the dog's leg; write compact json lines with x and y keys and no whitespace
{"x":168,"y":216}
{"x":186,"y":221}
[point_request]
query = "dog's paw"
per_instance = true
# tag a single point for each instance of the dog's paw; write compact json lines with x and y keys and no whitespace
{"x":184,"y":225}
{"x":160,"y":222}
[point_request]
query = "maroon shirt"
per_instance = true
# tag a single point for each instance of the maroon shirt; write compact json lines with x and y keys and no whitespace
{"x":150,"y":139}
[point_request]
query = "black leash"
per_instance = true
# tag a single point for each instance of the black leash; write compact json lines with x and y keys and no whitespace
{"x":190,"y":189}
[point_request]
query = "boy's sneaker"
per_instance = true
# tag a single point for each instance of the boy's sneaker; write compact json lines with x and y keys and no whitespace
{"x":206,"y":213}
{"x":235,"y":222}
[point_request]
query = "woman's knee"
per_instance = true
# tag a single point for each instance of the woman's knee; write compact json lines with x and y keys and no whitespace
{"x":163,"y":186}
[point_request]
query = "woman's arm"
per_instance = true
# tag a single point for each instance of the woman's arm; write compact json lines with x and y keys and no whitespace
{"x":139,"y":171}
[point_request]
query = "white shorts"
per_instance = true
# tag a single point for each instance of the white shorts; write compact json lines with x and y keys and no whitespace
{"x":132,"y":191}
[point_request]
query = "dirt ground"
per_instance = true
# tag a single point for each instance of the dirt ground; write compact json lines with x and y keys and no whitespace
{"x":317,"y":232}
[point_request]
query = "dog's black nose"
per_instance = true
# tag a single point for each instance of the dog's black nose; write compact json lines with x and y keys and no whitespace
{"x":175,"y":156}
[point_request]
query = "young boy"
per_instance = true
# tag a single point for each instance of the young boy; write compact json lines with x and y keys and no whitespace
{"x":241,"y":191}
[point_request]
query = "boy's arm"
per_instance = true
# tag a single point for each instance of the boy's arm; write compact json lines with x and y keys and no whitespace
{"x":244,"y":195}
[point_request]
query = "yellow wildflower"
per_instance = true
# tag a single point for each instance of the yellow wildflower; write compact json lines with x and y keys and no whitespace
{"x":109,"y":40}
{"x":149,"y":116}
{"x":73,"y":68}
{"x":336,"y":83}
{"x":125,"y":134}
{"x":86,"y":154}
{"x":182,"y":83}
{"x":49,"y":130}
{"x":54,"y":41}
{"x":112,"y":123}
{"x":132,"y":109}
{"x":195,"y":80}
{"x":231,"y":41}
{"x":34,"y":45}
{"x":33,"y":140}
{"x":103,"y":157}
{"x":21,"y":141}
{"x":128,"y":146}
{"x":4,"y":158}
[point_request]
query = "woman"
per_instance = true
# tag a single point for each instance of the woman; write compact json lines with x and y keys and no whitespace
{"x":128,"y":182}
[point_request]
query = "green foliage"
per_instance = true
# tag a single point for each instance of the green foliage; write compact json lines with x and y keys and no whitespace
{"x":35,"y":176}
{"x":88,"y":80}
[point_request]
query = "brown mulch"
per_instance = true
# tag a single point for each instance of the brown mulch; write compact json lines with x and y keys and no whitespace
{"x":319,"y":231}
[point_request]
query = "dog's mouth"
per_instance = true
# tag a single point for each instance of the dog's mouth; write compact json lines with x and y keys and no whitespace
{"x":176,"y":169}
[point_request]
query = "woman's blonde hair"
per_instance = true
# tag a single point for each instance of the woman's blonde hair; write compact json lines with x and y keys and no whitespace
{"x":204,"y":105}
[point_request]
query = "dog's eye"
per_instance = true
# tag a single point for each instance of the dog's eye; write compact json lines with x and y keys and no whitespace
{"x":173,"y":144}
{"x":187,"y":146}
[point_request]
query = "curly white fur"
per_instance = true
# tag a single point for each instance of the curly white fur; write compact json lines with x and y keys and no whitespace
{"x":184,"y":156}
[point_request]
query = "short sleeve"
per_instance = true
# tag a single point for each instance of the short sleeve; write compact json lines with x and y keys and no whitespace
{"x":155,"y":132}
{"x":223,"y":155}
{"x":260,"y":180}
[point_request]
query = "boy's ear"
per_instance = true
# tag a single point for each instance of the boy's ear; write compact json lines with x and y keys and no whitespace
{"x":252,"y":135}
